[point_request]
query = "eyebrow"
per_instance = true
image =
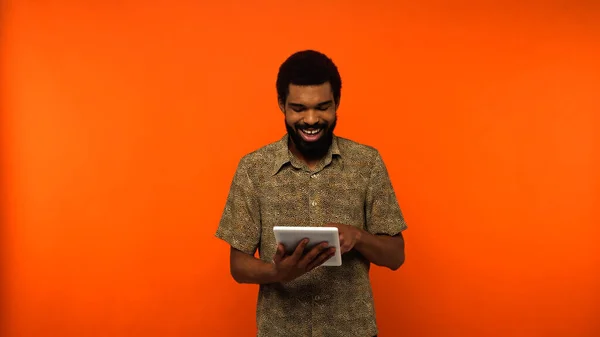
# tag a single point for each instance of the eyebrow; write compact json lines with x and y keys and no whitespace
{"x":299,"y":105}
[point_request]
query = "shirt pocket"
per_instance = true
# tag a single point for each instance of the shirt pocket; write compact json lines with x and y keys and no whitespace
{"x":345,"y":204}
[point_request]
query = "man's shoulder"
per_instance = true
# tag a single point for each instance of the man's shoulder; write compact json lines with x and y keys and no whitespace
{"x":354,"y":149}
{"x":264,"y":155}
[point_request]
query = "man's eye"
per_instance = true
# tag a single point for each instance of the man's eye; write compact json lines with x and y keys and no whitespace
{"x":323,"y":108}
{"x":298,"y":109}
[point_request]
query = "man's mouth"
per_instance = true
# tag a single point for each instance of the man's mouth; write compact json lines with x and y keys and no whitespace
{"x":311,"y":135}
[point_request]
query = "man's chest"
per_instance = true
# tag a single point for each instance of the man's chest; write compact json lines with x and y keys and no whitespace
{"x":296,"y":197}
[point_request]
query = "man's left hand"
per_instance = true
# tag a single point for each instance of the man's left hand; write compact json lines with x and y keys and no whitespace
{"x":349,"y":236}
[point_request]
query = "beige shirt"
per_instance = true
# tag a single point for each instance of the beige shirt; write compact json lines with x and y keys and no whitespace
{"x":271,"y":187}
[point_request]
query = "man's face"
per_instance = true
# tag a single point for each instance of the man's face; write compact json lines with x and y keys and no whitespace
{"x":310,"y":118}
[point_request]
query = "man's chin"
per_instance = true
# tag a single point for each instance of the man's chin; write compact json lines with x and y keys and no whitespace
{"x":315,"y":149}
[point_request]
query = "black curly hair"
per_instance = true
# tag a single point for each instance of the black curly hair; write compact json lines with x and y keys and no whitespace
{"x":308,"y":67}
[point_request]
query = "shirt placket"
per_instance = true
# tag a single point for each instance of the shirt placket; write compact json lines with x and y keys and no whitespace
{"x":314,"y":216}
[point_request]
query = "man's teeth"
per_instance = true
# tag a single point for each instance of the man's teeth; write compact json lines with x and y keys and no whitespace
{"x":311,"y":132}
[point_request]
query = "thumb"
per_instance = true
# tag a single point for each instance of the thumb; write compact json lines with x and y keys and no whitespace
{"x":279,"y":254}
{"x":343,"y":245}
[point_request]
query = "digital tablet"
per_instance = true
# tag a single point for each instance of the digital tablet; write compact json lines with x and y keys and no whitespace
{"x":290,"y":237}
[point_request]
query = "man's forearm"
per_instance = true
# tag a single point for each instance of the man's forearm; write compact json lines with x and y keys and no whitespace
{"x":382,"y":250}
{"x":248,"y":269}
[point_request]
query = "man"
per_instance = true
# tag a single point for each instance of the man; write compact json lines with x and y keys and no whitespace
{"x":311,"y":177}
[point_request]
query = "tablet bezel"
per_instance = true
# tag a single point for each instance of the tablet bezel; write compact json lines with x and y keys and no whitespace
{"x":290,"y":237}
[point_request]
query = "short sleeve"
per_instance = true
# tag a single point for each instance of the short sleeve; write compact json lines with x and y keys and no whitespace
{"x":240,"y":221}
{"x":383,"y":212}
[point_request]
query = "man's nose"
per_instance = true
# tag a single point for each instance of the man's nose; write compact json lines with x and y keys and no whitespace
{"x":311,"y":117}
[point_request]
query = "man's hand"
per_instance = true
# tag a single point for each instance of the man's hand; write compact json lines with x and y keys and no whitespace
{"x":382,"y":250}
{"x":349,"y":236}
{"x":290,"y":267}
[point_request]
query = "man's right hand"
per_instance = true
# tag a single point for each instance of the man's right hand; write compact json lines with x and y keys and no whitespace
{"x":289,"y":267}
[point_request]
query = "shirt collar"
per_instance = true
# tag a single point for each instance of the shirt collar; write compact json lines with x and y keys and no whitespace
{"x":283,"y":155}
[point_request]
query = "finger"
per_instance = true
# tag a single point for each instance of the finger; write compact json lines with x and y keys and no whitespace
{"x":346,"y":247}
{"x":342,"y":243}
{"x":322,"y":258}
{"x":312,"y":255}
{"x":351,"y":245}
{"x":299,"y":250}
{"x":279,"y":254}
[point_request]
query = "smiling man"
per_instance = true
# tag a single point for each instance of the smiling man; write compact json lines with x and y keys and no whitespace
{"x":311,"y":177}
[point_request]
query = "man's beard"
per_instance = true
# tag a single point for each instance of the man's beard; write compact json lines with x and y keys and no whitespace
{"x":312,"y":150}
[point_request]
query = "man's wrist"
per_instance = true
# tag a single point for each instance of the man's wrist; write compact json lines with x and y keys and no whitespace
{"x":272,"y":273}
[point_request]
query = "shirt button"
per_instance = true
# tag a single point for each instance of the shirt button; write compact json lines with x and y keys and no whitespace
{"x":314,"y":175}
{"x":313,"y":203}
{"x":317,"y":298}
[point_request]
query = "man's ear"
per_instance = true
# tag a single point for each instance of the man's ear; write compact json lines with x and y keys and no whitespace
{"x":281,"y":105}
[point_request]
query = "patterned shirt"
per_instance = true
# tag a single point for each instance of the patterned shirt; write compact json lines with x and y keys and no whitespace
{"x":350,"y":185}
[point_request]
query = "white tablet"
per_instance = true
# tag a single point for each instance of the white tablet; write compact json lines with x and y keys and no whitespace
{"x":290,"y":237}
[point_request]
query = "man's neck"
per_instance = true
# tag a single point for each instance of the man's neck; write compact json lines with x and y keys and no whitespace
{"x":310,"y":162}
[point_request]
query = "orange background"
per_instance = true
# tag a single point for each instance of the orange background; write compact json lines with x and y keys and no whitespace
{"x":123,"y":121}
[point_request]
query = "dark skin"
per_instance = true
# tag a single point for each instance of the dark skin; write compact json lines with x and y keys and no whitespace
{"x":308,"y":105}
{"x":285,"y":267}
{"x":382,"y":250}
{"x":312,"y":105}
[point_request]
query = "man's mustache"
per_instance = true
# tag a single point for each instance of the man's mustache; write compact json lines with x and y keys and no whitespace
{"x":313,"y":126}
